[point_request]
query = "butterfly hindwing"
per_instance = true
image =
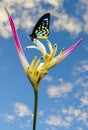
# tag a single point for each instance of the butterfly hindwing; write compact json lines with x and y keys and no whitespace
{"x":41,"y":29}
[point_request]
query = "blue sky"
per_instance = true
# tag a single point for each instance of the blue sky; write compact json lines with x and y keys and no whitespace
{"x":63,"y":93}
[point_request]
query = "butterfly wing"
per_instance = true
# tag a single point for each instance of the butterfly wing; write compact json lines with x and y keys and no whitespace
{"x":41,"y":29}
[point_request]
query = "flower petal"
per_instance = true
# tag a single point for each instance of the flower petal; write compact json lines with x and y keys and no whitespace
{"x":69,"y":50}
{"x":40,"y":46}
{"x":22,"y":57}
{"x":63,"y":55}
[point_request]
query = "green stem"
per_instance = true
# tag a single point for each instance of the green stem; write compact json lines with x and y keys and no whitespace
{"x":35,"y":109}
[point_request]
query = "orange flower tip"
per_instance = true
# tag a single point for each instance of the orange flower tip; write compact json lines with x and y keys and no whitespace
{"x":6,"y":11}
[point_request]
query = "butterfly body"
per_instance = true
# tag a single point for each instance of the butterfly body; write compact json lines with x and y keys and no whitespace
{"x":41,"y":29}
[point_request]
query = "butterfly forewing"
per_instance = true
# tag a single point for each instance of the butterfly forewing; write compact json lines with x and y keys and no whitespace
{"x":41,"y":29}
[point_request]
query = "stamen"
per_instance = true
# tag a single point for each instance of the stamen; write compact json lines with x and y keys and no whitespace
{"x":36,"y":65}
{"x":33,"y":61}
{"x":30,"y":47}
{"x":49,"y":45}
{"x":61,"y":52}
{"x":54,"y":51}
{"x":38,"y":62}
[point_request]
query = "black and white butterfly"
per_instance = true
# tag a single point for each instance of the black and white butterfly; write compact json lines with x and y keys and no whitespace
{"x":41,"y":29}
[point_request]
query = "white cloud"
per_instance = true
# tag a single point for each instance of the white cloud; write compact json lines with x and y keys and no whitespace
{"x":41,"y":113}
{"x":68,"y":116}
{"x":25,"y":124}
{"x":83,"y":67}
{"x":21,"y":110}
{"x":20,"y":114}
{"x":82,"y":93}
{"x":84,"y":98}
{"x":83,"y":117}
{"x":85,"y":17}
{"x":25,"y":24}
{"x":48,"y":78}
{"x":60,"y":80}
{"x":57,"y":121}
{"x":20,"y":11}
{"x":60,"y":90}
{"x":65,"y":22}
{"x":10,"y":118}
{"x":24,"y":14}
{"x":4,"y":27}
{"x":83,"y":4}
{"x":20,"y":3}
{"x":77,"y":114}
{"x":79,"y":128}
{"x":72,"y":111}
{"x":84,"y":1}
{"x":82,"y":81}
{"x":56,"y":3}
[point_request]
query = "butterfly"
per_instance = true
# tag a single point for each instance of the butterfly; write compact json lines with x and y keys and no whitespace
{"x":41,"y":29}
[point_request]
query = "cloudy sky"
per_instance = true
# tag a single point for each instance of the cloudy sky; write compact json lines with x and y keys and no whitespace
{"x":63,"y":93}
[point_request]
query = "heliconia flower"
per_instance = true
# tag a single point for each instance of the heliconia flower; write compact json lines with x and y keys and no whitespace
{"x":37,"y":69}
{"x":50,"y":60}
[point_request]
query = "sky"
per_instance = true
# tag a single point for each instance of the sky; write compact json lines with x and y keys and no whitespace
{"x":63,"y":92}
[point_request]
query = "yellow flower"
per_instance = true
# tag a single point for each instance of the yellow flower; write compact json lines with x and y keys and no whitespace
{"x":38,"y":68}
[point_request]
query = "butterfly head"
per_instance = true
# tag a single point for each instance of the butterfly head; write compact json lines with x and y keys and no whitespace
{"x":32,"y":36}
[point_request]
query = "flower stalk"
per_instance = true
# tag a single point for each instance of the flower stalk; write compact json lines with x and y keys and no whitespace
{"x":35,"y":108}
